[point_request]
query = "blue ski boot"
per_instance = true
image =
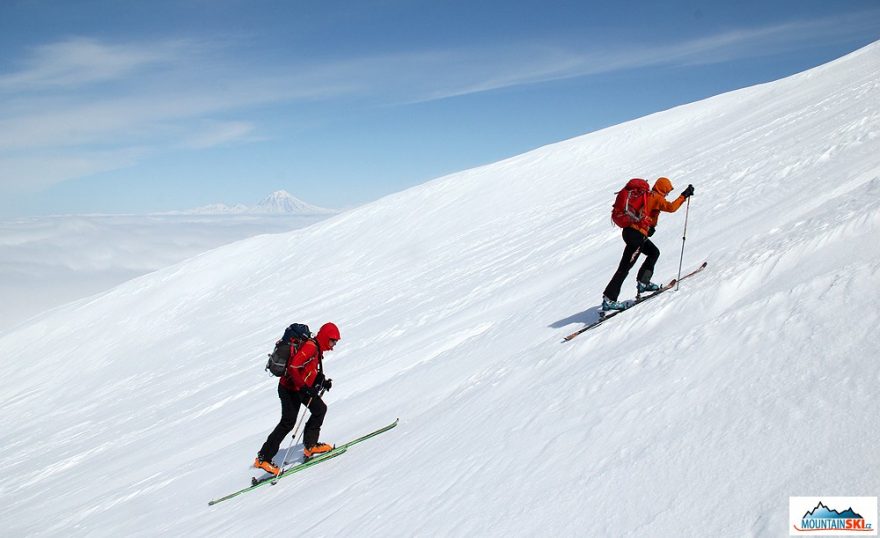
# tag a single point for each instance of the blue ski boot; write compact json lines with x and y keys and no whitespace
{"x":649,"y":287}
{"x":608,"y":305}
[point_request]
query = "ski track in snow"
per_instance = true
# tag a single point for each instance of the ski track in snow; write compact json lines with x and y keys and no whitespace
{"x":754,"y":382}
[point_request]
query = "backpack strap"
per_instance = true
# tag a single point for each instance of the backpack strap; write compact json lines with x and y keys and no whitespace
{"x":320,"y":355}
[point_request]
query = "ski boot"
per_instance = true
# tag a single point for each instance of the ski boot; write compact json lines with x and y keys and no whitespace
{"x":642,"y":287}
{"x":314,"y":450}
{"x":609,"y":305}
{"x":267,"y":466}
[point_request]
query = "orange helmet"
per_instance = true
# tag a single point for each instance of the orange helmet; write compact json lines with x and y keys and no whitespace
{"x":663,"y":185}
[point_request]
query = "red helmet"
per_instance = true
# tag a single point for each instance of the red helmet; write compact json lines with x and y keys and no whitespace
{"x":327,"y":332}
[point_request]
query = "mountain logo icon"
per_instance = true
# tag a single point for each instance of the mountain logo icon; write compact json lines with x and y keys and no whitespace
{"x":825,"y":518}
{"x":821,"y":512}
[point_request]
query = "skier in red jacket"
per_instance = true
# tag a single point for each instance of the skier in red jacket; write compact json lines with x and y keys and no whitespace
{"x":302,"y":385}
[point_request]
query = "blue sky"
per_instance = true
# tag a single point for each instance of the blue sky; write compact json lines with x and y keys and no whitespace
{"x":124,"y":106}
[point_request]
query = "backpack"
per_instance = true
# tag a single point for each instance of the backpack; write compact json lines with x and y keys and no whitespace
{"x":629,"y":206}
{"x":294,"y":337}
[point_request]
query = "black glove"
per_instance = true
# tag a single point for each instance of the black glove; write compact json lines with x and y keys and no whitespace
{"x":309,"y":392}
{"x":651,"y":231}
{"x":688,"y":192}
{"x":321,"y":382}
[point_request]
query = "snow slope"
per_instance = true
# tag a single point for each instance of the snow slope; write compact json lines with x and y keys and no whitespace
{"x":697,"y":414}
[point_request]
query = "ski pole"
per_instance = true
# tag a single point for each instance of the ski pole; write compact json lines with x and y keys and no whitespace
{"x":683,"y":238}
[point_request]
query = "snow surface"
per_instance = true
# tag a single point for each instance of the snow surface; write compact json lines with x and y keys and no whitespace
{"x":697,"y":414}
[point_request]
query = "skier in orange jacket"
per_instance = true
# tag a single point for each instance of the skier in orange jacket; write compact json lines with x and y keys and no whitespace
{"x":637,"y":242}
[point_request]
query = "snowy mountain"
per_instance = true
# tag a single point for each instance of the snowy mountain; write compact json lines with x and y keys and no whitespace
{"x":284,"y":202}
{"x":125,"y":414}
{"x":279,"y":202}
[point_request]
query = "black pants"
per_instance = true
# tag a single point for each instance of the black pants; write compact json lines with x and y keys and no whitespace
{"x":290,"y":402}
{"x":636,"y":244}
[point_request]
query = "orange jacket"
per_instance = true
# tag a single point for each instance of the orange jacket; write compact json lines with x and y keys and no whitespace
{"x":657,"y":202}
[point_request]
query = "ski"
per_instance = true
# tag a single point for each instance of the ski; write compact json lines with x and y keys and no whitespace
{"x":305,"y":462}
{"x":642,"y":299}
{"x":369,"y":435}
{"x":270,"y":479}
{"x":345,"y":446}
{"x":337,"y":451}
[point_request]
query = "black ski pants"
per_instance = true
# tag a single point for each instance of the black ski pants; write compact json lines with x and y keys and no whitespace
{"x":636,"y":243}
{"x":290,"y":402}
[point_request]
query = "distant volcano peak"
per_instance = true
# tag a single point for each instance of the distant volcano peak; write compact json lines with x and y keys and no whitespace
{"x":282,"y":201}
{"x":279,"y":202}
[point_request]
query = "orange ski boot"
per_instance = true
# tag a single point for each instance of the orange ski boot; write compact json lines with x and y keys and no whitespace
{"x":314,"y":450}
{"x":266,"y":466}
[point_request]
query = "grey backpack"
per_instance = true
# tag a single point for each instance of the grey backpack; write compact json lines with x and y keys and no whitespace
{"x":294,"y":337}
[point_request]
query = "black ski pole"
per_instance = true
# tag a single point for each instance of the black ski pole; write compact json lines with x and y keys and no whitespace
{"x":683,"y":238}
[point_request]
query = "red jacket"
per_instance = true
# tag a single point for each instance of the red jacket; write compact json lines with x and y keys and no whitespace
{"x":303,"y":367}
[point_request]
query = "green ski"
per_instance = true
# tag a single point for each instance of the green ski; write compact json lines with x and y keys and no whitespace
{"x":295,"y":469}
{"x":365,"y":437}
{"x":338,"y":451}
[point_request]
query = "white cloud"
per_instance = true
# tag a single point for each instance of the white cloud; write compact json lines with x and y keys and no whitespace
{"x":33,"y":173}
{"x":217,"y":134}
{"x":48,"y":261}
{"x":81,"y":61}
{"x":123,"y":98}
{"x":466,"y":72}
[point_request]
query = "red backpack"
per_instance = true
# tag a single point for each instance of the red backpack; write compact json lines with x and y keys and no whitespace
{"x":629,"y":206}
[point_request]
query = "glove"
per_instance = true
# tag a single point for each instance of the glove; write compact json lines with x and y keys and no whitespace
{"x":688,"y":192}
{"x":321,"y":382}
{"x":309,"y":392}
{"x":651,"y":231}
